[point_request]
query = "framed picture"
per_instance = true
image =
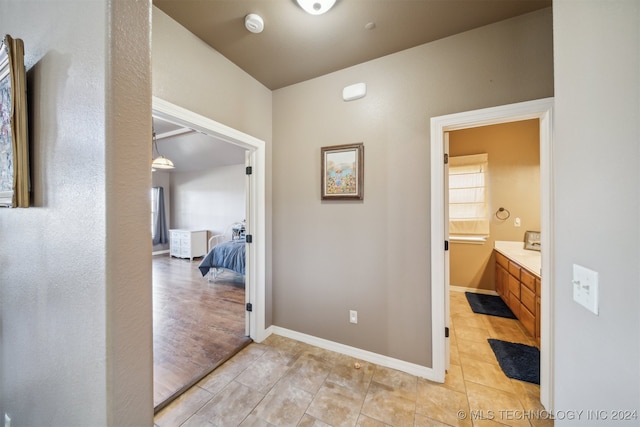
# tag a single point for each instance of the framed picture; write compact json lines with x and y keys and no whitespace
{"x":532,"y":240}
{"x":14,"y":144}
{"x":342,"y":169}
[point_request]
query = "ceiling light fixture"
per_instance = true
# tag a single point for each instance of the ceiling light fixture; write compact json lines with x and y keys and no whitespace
{"x":316,"y":7}
{"x":254,"y":23}
{"x":160,"y":162}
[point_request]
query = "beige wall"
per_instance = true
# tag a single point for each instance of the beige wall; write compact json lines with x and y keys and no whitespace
{"x":514,"y":183}
{"x":75,"y":275}
{"x":188,"y":73}
{"x":372,"y":255}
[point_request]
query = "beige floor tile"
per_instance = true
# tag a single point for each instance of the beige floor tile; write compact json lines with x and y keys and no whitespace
{"x":178,"y":411}
{"x":470,"y":333}
{"x":422,"y":421}
{"x":231,"y":406}
{"x":389,"y":405}
{"x":479,"y":350}
{"x":484,"y":373}
{"x":308,"y":372}
{"x":308,"y":421}
{"x":402,"y":384}
{"x":454,"y":379}
{"x":197,"y":421}
{"x":336,"y":406}
{"x":344,"y":374}
{"x":253,"y":421}
{"x":495,"y":405}
{"x":442,"y":404}
{"x":364,"y":421}
{"x":284,"y":405}
{"x":266,"y":371}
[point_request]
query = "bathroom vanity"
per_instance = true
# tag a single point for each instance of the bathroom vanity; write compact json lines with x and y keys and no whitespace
{"x":518,"y":283}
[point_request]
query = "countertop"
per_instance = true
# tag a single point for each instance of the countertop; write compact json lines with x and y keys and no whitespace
{"x":526,"y":258}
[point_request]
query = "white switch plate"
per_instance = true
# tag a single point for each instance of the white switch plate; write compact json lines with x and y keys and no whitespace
{"x":585,"y":287}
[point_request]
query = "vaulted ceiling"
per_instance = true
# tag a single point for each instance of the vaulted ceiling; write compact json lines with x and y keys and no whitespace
{"x":296,"y":46}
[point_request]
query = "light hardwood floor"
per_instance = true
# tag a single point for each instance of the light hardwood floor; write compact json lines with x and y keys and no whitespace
{"x":197,"y":324}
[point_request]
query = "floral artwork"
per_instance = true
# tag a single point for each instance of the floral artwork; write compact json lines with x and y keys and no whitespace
{"x":342,"y":169}
{"x":6,"y":149}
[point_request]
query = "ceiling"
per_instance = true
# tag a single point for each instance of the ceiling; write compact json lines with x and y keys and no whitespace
{"x":296,"y":46}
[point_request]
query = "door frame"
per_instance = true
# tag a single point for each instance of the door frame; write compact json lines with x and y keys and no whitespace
{"x":256,"y":207}
{"x":541,"y":109}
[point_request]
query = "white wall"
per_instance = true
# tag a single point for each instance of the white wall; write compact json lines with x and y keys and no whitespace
{"x":75,"y":281}
{"x":208,"y":200}
{"x":597,"y":189}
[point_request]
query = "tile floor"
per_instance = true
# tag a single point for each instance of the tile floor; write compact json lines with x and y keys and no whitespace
{"x":282,"y":382}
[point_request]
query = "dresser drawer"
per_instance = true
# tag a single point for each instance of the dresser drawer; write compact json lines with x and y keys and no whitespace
{"x":502,"y":260}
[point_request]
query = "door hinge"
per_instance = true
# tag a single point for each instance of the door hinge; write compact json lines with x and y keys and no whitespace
{"x":248,"y":238}
{"x":446,"y":158}
{"x":446,"y":245}
{"x":249,"y":170}
{"x":446,"y":331}
{"x":249,"y":307}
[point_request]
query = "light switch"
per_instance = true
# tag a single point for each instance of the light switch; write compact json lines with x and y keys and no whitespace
{"x":585,"y":287}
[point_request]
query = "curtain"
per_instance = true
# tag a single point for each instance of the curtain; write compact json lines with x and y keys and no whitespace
{"x":160,"y":233}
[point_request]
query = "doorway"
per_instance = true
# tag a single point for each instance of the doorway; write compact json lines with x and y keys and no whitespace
{"x":539,"y":109}
{"x":254,"y":279}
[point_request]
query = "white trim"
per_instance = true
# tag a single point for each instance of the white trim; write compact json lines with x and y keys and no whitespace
{"x":256,"y":274}
{"x":474,"y":240}
{"x":165,"y":251}
{"x":368,"y":356}
{"x":474,"y":290}
{"x":539,"y":109}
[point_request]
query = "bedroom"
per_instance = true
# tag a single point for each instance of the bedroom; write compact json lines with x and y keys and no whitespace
{"x":198,"y":317}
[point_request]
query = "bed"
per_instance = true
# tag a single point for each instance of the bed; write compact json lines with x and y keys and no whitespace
{"x":224,"y":255}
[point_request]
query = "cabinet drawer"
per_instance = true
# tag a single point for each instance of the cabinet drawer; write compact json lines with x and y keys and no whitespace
{"x":514,"y":269}
{"x":514,"y":304}
{"x":514,"y":286}
{"x":528,"y":298}
{"x":527,"y":319}
{"x":528,"y":279}
{"x":502,"y":260}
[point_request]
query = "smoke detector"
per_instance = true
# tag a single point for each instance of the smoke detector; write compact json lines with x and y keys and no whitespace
{"x":254,"y":23}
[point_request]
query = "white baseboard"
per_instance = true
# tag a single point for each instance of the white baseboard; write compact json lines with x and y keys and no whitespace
{"x":166,"y":251}
{"x":368,"y":356}
{"x":477,"y":291}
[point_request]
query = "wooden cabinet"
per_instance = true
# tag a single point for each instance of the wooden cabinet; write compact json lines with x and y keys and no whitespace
{"x":520,"y":290}
{"x":187,"y":243}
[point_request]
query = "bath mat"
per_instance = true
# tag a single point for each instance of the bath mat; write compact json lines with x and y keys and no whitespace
{"x":489,"y":304}
{"x":518,"y":361}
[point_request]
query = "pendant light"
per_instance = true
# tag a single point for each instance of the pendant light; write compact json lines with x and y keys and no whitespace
{"x":160,"y":162}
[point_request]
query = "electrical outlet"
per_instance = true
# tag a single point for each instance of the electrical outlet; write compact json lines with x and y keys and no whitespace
{"x":516,"y":222}
{"x":353,"y":316}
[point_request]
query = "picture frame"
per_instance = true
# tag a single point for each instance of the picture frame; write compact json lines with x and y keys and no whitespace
{"x":342,"y":172}
{"x":532,"y":240}
{"x":14,"y":144}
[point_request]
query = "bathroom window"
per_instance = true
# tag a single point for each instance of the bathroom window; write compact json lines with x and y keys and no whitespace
{"x":468,"y":195}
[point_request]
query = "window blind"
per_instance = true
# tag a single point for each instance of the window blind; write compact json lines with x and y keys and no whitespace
{"x":468,"y":204}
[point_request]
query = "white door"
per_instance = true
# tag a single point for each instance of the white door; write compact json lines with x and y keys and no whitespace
{"x":447,"y":273}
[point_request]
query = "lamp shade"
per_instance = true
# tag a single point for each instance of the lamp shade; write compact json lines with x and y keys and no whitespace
{"x":316,"y":7}
{"x":162,"y":162}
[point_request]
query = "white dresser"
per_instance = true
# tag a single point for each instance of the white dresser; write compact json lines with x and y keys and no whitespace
{"x":187,"y":243}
